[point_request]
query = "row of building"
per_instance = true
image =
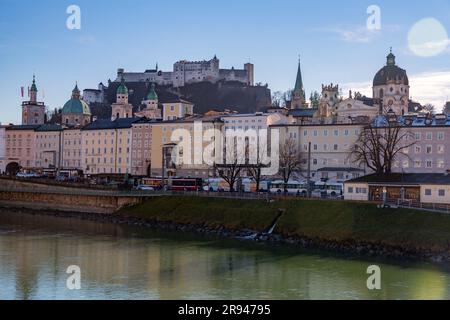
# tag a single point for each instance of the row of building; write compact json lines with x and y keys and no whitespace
{"x":135,"y":142}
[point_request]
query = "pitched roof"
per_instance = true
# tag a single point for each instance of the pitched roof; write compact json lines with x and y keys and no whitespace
{"x":105,"y":124}
{"x":407,"y":178}
{"x":23,"y":127}
{"x":50,"y":127}
{"x":303,"y":113}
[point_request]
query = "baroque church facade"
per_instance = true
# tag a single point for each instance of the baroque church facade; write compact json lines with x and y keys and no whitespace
{"x":390,"y":94}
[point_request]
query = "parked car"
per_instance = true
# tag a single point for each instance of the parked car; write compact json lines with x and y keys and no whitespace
{"x":145,"y":188}
{"x":61,"y":178}
{"x":26,"y":175}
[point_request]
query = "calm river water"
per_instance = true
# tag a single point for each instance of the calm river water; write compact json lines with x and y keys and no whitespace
{"x":119,"y":262}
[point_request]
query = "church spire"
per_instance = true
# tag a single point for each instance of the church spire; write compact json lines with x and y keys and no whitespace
{"x":298,"y":96}
{"x":299,"y":80}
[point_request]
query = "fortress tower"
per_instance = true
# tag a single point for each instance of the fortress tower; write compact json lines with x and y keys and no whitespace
{"x":329,"y":100}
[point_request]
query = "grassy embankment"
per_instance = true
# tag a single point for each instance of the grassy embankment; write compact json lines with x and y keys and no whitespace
{"x":324,"y":220}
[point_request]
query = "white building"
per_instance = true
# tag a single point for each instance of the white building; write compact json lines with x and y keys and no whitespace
{"x":186,"y":72}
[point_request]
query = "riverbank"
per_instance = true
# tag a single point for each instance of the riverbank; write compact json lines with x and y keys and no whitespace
{"x":336,"y":226}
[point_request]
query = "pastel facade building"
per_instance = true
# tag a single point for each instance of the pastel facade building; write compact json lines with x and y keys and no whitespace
{"x":405,"y":189}
{"x":48,"y":139}
{"x":72,"y":152}
{"x":106,"y":146}
{"x":330,"y":149}
{"x":33,"y":112}
{"x":254,"y":121}
{"x":20,"y":145}
{"x":177,"y":109}
{"x":183,"y":162}
{"x":142,"y":140}
{"x":3,"y":158}
{"x":431,"y":151}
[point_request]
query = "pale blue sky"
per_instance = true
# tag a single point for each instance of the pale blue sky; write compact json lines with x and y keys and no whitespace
{"x":329,"y":35}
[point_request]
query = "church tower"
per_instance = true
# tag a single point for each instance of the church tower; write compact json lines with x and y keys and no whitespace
{"x":33,"y":112}
{"x":151,"y":110}
{"x":298,"y":100}
{"x":328,"y":101}
{"x":121,"y":109}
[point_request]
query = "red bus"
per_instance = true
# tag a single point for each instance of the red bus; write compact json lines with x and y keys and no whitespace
{"x":194,"y":184}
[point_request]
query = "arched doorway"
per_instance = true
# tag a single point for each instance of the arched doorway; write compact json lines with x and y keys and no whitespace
{"x":12,"y":168}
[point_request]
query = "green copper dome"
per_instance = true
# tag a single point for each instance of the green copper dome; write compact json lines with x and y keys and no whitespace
{"x":152,"y":94}
{"x":122,"y":89}
{"x":76,"y":105}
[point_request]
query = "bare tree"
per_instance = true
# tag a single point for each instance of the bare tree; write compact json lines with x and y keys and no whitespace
{"x":447,"y":108}
{"x":379,"y":144}
{"x":429,"y":108}
{"x":234,"y":162}
{"x":254,"y":170}
{"x":290,"y":160}
{"x":277,"y":99}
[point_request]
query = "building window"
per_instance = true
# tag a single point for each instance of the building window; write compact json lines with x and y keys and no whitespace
{"x":350,"y":189}
{"x":429,"y":149}
{"x":440,"y":136}
{"x":428,"y":192}
{"x":417,"y":163}
{"x":441,"y":193}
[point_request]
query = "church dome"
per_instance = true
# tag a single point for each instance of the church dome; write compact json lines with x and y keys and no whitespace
{"x":122,"y":89}
{"x":152,"y":94}
{"x":76,"y":105}
{"x":390,"y":73}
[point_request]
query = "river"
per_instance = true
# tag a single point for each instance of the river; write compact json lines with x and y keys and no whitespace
{"x":121,"y":262}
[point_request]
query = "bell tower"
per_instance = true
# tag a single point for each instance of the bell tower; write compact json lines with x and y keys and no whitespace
{"x":298,"y":100}
{"x":33,"y":112}
{"x":121,"y":109}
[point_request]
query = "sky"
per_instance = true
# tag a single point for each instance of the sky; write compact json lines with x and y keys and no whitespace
{"x":331,"y":37}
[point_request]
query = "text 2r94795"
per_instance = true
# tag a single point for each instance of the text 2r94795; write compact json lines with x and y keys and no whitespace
{"x":253,"y":309}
